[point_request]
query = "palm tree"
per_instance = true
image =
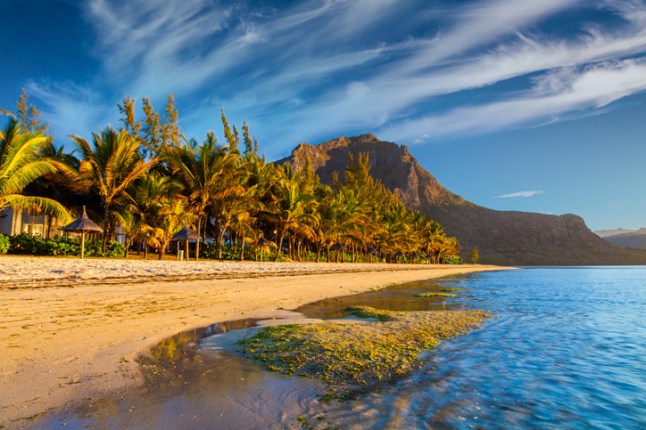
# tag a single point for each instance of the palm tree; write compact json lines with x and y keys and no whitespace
{"x":109,"y":166}
{"x":155,"y":198}
{"x":20,"y":165}
{"x":395,"y":228}
{"x":200,"y":170}
{"x":292,"y":205}
{"x":132,"y":224}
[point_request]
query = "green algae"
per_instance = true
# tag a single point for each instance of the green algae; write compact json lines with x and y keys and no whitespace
{"x":426,"y":295}
{"x":355,"y":358}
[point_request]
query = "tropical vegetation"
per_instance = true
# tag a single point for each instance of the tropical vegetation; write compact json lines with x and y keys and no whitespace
{"x":146,"y":181}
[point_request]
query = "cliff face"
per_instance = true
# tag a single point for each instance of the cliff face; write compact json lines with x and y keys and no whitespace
{"x":517,"y":238}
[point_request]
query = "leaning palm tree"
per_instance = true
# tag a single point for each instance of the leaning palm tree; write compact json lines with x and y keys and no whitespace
{"x":20,"y":165}
{"x":109,"y":166}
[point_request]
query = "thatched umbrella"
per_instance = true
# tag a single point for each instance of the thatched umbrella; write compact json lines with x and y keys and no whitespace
{"x":264,"y":242}
{"x":186,"y":234}
{"x":81,"y":225}
{"x":338,"y":247}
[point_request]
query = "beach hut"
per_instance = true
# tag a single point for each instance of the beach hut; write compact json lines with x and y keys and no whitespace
{"x":81,"y":225}
{"x":186,"y":234}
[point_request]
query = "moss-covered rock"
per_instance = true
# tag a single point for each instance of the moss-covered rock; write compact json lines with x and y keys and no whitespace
{"x":354,"y":358}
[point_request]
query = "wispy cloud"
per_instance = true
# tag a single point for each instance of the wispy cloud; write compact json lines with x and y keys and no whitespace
{"x":71,"y":108}
{"x":554,"y":94}
{"x":324,"y":67}
{"x":519,"y":194}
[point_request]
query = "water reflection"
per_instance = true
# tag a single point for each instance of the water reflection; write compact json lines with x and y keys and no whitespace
{"x":198,"y":386}
{"x":191,"y":383}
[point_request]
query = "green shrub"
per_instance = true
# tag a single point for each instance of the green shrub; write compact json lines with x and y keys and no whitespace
{"x":23,"y":243}
{"x":455,"y":259}
{"x":28,"y":244}
{"x":112,"y":249}
{"x":4,"y":243}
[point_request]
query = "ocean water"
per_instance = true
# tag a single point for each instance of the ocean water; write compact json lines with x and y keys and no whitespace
{"x":566,"y":348}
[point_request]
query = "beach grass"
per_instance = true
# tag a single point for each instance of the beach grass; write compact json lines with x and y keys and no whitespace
{"x":355,"y":358}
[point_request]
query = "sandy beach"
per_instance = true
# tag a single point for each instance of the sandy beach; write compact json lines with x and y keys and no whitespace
{"x":72,"y":329}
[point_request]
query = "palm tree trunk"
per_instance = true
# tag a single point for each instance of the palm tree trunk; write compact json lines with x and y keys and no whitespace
{"x":199,"y":237}
{"x":220,"y":243}
{"x":106,"y":227}
{"x":219,"y":239}
{"x":242,"y":247}
{"x":162,"y":250}
{"x":279,"y":244}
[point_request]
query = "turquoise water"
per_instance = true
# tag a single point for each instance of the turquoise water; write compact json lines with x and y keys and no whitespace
{"x":566,"y":348}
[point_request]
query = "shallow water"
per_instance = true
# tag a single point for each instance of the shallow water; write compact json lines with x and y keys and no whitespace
{"x":566,"y":349}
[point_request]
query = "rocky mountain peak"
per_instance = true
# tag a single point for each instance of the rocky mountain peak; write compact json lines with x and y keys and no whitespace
{"x":503,"y":237}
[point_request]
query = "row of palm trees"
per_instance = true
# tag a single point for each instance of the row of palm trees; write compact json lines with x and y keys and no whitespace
{"x":151,"y":181}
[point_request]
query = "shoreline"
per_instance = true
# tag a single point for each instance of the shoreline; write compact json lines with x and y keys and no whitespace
{"x":74,"y":332}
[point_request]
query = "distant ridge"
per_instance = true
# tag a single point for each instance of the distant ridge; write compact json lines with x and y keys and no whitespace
{"x":612,"y":232}
{"x":517,"y":238}
{"x":635,"y":239}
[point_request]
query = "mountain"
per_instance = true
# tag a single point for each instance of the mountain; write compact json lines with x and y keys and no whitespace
{"x":632,"y":239}
{"x":515,"y":238}
{"x":612,"y":232}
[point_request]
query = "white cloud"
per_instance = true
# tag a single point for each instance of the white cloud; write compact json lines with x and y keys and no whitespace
{"x":319,"y":67}
{"x":479,"y":24}
{"x":391,"y":95}
{"x":519,"y":194}
{"x":70,"y":107}
{"x":156,"y":47}
{"x":558,"y":93}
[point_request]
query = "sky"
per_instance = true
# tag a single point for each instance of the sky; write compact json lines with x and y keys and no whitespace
{"x":532,"y":105}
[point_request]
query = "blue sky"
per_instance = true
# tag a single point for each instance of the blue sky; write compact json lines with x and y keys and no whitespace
{"x":533,"y":105}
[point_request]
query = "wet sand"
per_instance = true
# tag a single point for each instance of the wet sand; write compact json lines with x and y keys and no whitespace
{"x":72,"y":330}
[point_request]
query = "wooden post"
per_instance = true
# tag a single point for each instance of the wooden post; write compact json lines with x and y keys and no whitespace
{"x":82,"y":243}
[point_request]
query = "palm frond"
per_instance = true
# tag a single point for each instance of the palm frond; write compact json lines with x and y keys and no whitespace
{"x":47,"y":206}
